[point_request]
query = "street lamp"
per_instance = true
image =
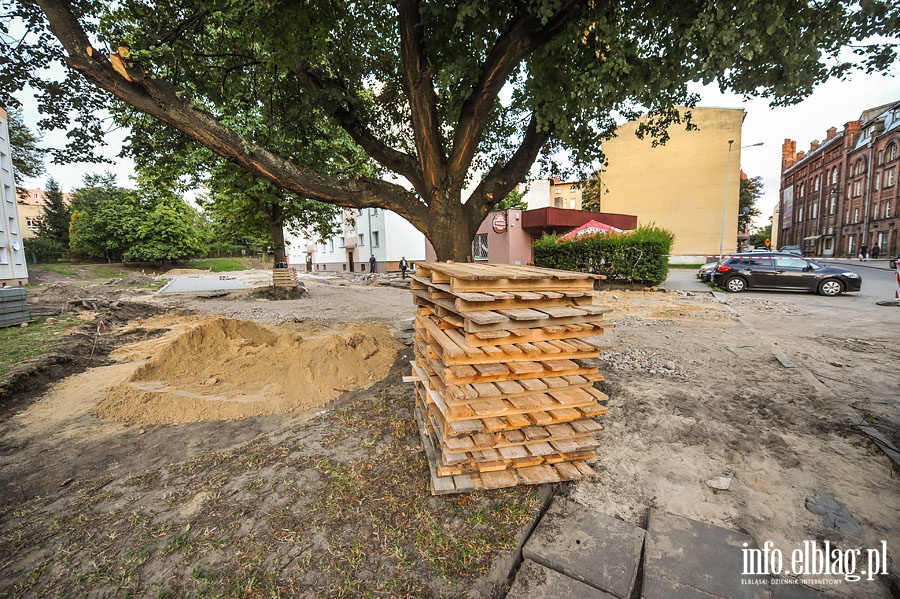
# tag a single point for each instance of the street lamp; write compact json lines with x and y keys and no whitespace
{"x":725,"y":194}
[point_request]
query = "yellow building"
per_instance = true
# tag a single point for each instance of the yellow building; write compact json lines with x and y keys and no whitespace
{"x":565,"y":194}
{"x":680,"y":186}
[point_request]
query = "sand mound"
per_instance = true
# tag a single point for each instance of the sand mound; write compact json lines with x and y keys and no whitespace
{"x":228,"y":369}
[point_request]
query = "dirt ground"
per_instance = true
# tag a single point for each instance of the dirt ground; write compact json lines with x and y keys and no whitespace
{"x":238,"y":446}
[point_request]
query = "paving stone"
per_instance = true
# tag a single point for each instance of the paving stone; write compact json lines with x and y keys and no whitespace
{"x":661,"y":588}
{"x":534,"y":581}
{"x":706,"y":559}
{"x":588,"y":546}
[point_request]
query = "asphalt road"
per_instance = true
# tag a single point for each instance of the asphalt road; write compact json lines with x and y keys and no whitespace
{"x":878,"y":284}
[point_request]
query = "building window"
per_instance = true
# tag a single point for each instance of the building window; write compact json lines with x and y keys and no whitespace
{"x":362,"y":240}
{"x":877,"y":181}
{"x":573,"y":187}
{"x":834,"y":176}
{"x":832,"y":204}
{"x":887,"y":209}
{"x":4,"y":255}
{"x":800,"y":214}
{"x":342,"y":242}
{"x":889,"y":177}
{"x":375,"y":240}
{"x":860,"y":167}
{"x":857,"y":188}
{"x":892,"y":152}
{"x":331,"y":245}
{"x":480,"y":247}
{"x":558,"y":203}
{"x":816,"y":182}
{"x":802,"y":189}
{"x":815,"y":211}
{"x":874,"y":210}
{"x":856,"y":215}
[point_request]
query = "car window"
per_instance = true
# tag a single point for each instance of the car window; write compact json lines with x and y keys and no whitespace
{"x":756,"y":261}
{"x":790,"y":263}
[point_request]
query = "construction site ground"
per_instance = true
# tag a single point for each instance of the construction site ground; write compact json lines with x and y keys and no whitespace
{"x":242,"y":445}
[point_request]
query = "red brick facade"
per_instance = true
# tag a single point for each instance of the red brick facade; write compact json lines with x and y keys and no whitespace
{"x":842,"y":194}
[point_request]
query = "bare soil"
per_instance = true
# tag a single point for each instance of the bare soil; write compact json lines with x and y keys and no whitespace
{"x":181,"y":453}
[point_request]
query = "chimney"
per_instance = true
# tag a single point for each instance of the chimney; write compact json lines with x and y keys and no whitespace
{"x":801,"y":156}
{"x":831,"y":133}
{"x":851,"y":133}
{"x":788,"y":154}
{"x":813,"y":146}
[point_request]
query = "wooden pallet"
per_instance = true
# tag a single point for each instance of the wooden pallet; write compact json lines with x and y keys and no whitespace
{"x":284,"y":277}
{"x":531,"y":475}
{"x":504,"y":277}
{"x":504,"y":372}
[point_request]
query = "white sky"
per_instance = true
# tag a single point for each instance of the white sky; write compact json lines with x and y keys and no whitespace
{"x":832,"y":104}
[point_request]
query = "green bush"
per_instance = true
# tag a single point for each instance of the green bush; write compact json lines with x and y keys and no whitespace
{"x":637,"y":257}
{"x":43,"y":249}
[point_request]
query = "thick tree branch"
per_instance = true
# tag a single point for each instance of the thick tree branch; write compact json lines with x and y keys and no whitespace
{"x":397,"y":161}
{"x":503,"y":177}
{"x":422,"y":98}
{"x":158,"y":99}
{"x":525,"y":35}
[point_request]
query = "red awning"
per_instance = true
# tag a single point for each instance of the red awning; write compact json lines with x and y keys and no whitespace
{"x":591,"y":227}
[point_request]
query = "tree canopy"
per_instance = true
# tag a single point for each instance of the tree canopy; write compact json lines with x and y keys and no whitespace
{"x":750,"y":191}
{"x":27,"y":155}
{"x":443,"y":96}
{"x":55,"y":215}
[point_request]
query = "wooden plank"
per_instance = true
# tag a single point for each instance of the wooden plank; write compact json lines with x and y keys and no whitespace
{"x":537,"y":475}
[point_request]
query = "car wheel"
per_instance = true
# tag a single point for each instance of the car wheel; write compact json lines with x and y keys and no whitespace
{"x":831,"y":287}
{"x":735,"y":284}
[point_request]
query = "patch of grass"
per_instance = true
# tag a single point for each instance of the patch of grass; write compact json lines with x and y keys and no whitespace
{"x":60,"y":269}
{"x":20,"y":343}
{"x":219,"y":264}
{"x":685,"y":266}
{"x":154,"y":286}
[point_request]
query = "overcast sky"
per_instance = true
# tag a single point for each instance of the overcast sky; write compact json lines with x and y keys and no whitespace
{"x":832,"y":104}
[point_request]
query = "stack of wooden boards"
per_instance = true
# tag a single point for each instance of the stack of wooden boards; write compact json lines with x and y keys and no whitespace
{"x":504,"y":372}
{"x":284,"y":277}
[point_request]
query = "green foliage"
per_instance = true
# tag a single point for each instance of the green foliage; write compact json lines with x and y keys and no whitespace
{"x":43,"y":249}
{"x":27,"y":156}
{"x":592,"y":193}
{"x":514,"y":199}
{"x":147,"y":225}
{"x":758,"y":238}
{"x":751,"y":190}
{"x":167,"y":232}
{"x":640,"y":256}
{"x":55,"y":215}
{"x":302,"y":93}
{"x":219,"y":264}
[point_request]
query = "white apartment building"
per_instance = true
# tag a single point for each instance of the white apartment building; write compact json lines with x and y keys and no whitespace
{"x":366,"y":232}
{"x":13,"y":269}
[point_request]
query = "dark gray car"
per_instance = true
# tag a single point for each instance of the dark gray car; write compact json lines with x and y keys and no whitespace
{"x":779,"y":271}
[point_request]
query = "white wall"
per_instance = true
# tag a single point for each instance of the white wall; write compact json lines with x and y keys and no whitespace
{"x":538,"y":194}
{"x":13,"y":267}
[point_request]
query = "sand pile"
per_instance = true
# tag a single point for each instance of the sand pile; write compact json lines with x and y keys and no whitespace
{"x":227,"y":369}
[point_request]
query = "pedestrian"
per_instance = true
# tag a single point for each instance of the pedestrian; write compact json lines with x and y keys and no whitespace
{"x":403,"y":266}
{"x":372,"y":263}
{"x":863,"y":252}
{"x":875,"y":251}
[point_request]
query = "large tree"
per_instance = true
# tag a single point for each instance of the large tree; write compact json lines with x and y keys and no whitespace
{"x":27,"y":155}
{"x":417,"y":84}
{"x":751,"y":190}
{"x":55,"y":215}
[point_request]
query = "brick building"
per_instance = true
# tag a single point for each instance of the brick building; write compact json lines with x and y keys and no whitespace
{"x":842,"y":193}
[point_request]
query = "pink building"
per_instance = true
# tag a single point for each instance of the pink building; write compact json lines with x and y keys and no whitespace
{"x":506,"y":236}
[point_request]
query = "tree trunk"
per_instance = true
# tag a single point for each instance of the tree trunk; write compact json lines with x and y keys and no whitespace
{"x":452,"y":228}
{"x":276,"y":230}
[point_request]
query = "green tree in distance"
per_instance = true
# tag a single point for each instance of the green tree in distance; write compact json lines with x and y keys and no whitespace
{"x":27,"y":156}
{"x":55,"y":215}
{"x":750,"y":191}
{"x":514,"y":199}
{"x":416,"y":83}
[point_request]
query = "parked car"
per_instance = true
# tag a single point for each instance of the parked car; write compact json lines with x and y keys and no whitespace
{"x":783,"y":271}
{"x":894,"y":261}
{"x":792,"y":249}
{"x":706,"y":271}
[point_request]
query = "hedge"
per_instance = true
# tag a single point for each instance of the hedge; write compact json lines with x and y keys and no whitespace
{"x":637,"y":257}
